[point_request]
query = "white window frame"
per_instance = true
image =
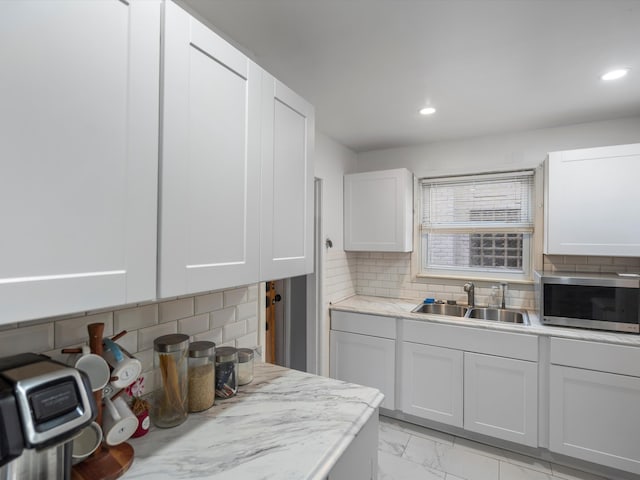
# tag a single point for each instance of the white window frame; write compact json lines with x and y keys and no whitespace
{"x":531,"y":242}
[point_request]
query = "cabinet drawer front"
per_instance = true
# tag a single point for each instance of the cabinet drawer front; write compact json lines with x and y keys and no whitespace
{"x":594,"y":416}
{"x":491,"y":342}
{"x":605,"y":357}
{"x":364,"y":324}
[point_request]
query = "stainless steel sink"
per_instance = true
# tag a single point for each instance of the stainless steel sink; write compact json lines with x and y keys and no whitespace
{"x":441,"y":309}
{"x":499,"y":315}
{"x":478,"y":313}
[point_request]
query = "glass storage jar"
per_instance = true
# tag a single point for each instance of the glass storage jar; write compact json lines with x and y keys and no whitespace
{"x":170,"y":399}
{"x":202,"y":374}
{"x":245,"y":366}
{"x":226,"y":372}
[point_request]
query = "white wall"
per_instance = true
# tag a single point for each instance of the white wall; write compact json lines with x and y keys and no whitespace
{"x":500,"y":152}
{"x":332,"y":161}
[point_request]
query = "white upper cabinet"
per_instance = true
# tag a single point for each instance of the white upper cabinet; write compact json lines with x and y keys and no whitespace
{"x":210,"y":161}
{"x":593,"y":202}
{"x":378,"y":211}
{"x":286,"y":217}
{"x":78,"y":154}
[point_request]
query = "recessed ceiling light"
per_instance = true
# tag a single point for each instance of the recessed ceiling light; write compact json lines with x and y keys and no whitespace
{"x":615,"y":74}
{"x":427,"y":111}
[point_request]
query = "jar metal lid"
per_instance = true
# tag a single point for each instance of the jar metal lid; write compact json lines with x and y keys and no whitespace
{"x":245,"y":355}
{"x":171,"y":343}
{"x":201,"y":349}
{"x":226,"y":354}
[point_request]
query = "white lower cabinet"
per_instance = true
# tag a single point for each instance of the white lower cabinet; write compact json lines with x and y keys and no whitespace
{"x":485,"y":390}
{"x":431,"y":383}
{"x":364,"y":360}
{"x":363,"y":351}
{"x":594,"y":414}
{"x":501,"y":398}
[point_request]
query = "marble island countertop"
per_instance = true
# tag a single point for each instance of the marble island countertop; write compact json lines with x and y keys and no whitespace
{"x":401,"y":308}
{"x":286,"y":424}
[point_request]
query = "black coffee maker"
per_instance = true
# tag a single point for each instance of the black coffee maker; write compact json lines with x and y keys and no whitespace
{"x":43,"y":405}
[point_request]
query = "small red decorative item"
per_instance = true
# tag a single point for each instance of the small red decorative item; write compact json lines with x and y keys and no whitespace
{"x":143,"y":424}
{"x":139,"y":407}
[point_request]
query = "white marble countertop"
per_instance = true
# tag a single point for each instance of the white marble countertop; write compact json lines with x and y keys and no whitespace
{"x":285,"y":424}
{"x":401,"y":308}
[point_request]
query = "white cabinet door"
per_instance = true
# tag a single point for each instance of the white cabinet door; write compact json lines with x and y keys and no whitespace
{"x":79,"y":152}
{"x":286,"y":219}
{"x":593,"y":202}
{"x":501,"y":398}
{"x":378,"y":211}
{"x":210,"y":163}
{"x":594,"y":416}
{"x":431,"y":385}
{"x":364,"y":360}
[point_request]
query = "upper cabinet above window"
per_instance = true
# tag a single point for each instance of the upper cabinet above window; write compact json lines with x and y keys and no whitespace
{"x":378,"y":211}
{"x":592,"y":202}
{"x":79,"y":155}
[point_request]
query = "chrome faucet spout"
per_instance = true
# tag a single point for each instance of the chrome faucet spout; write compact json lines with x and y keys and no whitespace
{"x":503,"y":289}
{"x":469,"y":287}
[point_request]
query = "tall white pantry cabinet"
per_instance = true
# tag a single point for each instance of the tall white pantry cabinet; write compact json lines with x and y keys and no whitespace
{"x":78,"y":155}
{"x":122,"y":182}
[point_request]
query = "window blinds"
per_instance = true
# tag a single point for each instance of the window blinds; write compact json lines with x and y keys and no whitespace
{"x":487,"y":203}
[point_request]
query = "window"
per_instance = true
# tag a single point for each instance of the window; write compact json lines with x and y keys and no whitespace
{"x":477,"y":226}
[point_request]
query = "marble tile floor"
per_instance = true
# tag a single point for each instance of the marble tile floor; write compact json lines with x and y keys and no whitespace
{"x":410,"y":452}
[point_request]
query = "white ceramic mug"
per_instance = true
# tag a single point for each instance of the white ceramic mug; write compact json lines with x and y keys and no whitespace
{"x":86,"y":442}
{"x":118,"y":421}
{"x":125,"y":368}
{"x":93,"y":365}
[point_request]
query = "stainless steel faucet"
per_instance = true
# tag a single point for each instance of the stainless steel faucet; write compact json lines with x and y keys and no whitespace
{"x":503,"y":291}
{"x":469,"y":287}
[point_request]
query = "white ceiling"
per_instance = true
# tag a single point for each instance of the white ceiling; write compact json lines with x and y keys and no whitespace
{"x":488,"y":66}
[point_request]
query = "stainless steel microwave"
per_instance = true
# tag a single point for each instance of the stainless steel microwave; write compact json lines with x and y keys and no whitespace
{"x":584,"y":300}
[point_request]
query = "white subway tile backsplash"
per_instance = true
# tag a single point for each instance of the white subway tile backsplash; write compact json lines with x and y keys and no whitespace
{"x":193,"y":325}
{"x":146,"y":336}
{"x":143,"y":324}
{"x":252,"y":292}
{"x":129,"y":342}
{"x":36,"y":338}
{"x":252,"y":324}
{"x":146,"y":359}
{"x":232,"y":331}
{"x":222,"y":317}
{"x":175,"y":309}
{"x":135,"y":318}
{"x":235,"y":297}
{"x":208,"y":303}
{"x":247,"y":341}
{"x":246,"y":310}
{"x":214,"y":336}
{"x":74,"y":330}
